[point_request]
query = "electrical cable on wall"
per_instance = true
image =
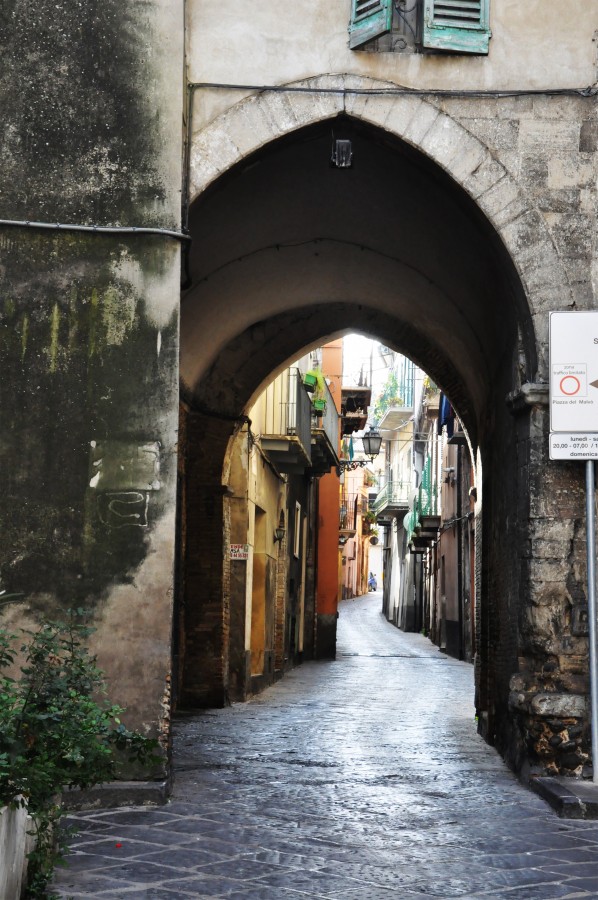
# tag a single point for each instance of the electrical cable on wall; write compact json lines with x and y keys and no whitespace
{"x":96,"y":229}
{"x":587,"y":91}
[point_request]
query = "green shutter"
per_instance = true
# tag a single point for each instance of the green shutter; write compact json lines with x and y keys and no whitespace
{"x":459,"y":25}
{"x":369,"y":19}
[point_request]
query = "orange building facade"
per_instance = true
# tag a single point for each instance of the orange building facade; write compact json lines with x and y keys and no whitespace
{"x":328,"y":560}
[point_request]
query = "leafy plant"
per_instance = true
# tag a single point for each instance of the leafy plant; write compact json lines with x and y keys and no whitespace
{"x":319,"y":388}
{"x":56,"y":730}
{"x":369,"y":479}
{"x":389,"y":396}
{"x":320,"y":385}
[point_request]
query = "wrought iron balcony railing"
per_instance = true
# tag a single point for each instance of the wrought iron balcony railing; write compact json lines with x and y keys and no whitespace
{"x":286,"y":438}
{"x":393,"y":498}
{"x":325,"y":435}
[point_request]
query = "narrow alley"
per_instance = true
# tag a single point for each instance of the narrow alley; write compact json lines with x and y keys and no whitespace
{"x":360,"y":778}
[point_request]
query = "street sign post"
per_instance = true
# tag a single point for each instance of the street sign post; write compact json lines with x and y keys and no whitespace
{"x":574,"y":435}
{"x":574,"y":372}
{"x":573,"y":446}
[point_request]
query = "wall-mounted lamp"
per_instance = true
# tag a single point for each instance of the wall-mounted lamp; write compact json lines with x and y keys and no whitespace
{"x":342,"y":154}
{"x":280,"y":531}
{"x":372,"y":441}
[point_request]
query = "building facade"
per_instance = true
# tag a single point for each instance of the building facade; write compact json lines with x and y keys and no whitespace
{"x":430,"y":525}
{"x":428,"y":182}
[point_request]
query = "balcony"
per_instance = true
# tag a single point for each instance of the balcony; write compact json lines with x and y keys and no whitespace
{"x":392,"y":501}
{"x":423,"y":522}
{"x":399,"y":409}
{"x":395,"y":418}
{"x":287,"y":443}
{"x":349,"y":511}
{"x":458,"y":436}
{"x":325,"y":437}
{"x":425,"y":534}
{"x":354,"y":408}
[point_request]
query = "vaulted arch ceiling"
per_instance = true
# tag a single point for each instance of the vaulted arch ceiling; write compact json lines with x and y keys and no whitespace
{"x":288,"y":250}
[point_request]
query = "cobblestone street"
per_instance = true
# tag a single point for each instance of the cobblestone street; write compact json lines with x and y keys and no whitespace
{"x":361,"y":778}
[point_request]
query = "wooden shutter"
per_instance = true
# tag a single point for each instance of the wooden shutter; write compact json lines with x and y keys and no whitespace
{"x":369,"y":19}
{"x":459,"y":25}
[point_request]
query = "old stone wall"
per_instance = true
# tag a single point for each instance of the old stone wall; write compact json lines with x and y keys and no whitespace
{"x":529,"y":163}
{"x":549,"y":145}
{"x":91,"y":97}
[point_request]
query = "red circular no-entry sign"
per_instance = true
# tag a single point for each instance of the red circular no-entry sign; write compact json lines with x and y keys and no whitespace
{"x":570,"y":385}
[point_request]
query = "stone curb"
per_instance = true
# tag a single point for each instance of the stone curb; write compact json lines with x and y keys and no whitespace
{"x":118,"y":793}
{"x":571,"y":798}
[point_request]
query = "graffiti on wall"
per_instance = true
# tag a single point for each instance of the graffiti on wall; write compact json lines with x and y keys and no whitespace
{"x":123,"y":476}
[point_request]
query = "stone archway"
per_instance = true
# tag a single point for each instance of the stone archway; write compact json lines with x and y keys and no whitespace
{"x":269,"y":280}
{"x":421,"y":123}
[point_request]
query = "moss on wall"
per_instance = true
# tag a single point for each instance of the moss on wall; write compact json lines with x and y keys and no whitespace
{"x":85,"y":358}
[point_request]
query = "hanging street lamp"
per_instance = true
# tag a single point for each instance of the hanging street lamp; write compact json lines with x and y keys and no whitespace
{"x":372,"y":441}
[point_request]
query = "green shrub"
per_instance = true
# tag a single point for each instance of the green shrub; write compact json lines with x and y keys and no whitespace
{"x":389,"y":396}
{"x":57,"y":730}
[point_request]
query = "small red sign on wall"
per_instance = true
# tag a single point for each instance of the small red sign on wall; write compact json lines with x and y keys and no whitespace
{"x":239,"y":551}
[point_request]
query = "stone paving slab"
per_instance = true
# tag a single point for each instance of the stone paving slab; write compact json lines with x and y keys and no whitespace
{"x":362,"y":778}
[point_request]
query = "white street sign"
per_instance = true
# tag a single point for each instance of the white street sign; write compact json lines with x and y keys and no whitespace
{"x":573,"y":446}
{"x":239,"y":551}
{"x":574,"y":374}
{"x":574,"y":435}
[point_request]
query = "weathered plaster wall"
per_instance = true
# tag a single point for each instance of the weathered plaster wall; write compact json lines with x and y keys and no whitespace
{"x":253,"y":484}
{"x":92,"y":101}
{"x":539,"y":43}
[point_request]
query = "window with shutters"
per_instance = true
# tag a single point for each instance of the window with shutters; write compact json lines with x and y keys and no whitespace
{"x":369,"y":20}
{"x":457,"y":25}
{"x":428,"y":26}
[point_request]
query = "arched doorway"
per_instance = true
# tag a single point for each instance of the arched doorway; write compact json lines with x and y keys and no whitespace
{"x":289,"y":250}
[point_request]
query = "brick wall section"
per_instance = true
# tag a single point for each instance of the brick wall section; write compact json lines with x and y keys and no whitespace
{"x":206,"y":565}
{"x":280,"y":608}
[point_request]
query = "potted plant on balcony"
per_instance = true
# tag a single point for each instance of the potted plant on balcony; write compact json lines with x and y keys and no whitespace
{"x":369,"y":519}
{"x":389,"y":397}
{"x":310,"y":381}
{"x":317,"y":388}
